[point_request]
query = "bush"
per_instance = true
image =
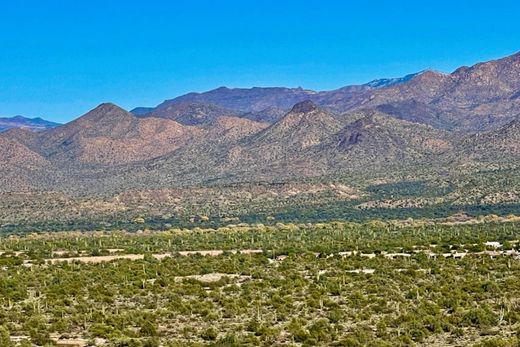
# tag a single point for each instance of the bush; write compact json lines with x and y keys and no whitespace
{"x":209,"y":334}
{"x":5,"y":337}
{"x":148,"y":328}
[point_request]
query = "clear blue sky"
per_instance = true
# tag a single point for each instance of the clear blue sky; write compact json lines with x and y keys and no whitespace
{"x":59,"y":59}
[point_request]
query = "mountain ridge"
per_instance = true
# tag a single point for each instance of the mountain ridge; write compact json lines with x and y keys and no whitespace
{"x":34,"y":124}
{"x":461,"y":100}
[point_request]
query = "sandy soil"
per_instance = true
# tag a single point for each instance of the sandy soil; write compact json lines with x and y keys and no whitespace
{"x":213,"y":277}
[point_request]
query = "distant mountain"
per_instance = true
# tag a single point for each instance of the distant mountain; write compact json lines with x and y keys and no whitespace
{"x":304,"y":127}
{"x":478,"y":98}
{"x":33,"y":124}
{"x":258,"y":104}
{"x":191,"y":113}
{"x":141,"y":111}
{"x":110,"y":135}
{"x":387,"y":82}
{"x":267,"y":115}
{"x":378,"y":140}
{"x":247,"y":100}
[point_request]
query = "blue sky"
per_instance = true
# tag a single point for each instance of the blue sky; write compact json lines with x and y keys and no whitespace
{"x":58,"y":59}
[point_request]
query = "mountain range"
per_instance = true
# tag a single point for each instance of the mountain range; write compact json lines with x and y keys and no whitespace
{"x":476,"y":98}
{"x":34,"y":124}
{"x":426,"y":127}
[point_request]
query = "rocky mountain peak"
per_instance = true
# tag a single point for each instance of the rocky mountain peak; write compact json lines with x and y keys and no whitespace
{"x":106,"y":112}
{"x":108,"y":107}
{"x":428,"y":75}
{"x":304,"y":107}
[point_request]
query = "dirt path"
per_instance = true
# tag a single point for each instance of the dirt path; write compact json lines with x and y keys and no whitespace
{"x":108,"y":258}
{"x":215,"y":253}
